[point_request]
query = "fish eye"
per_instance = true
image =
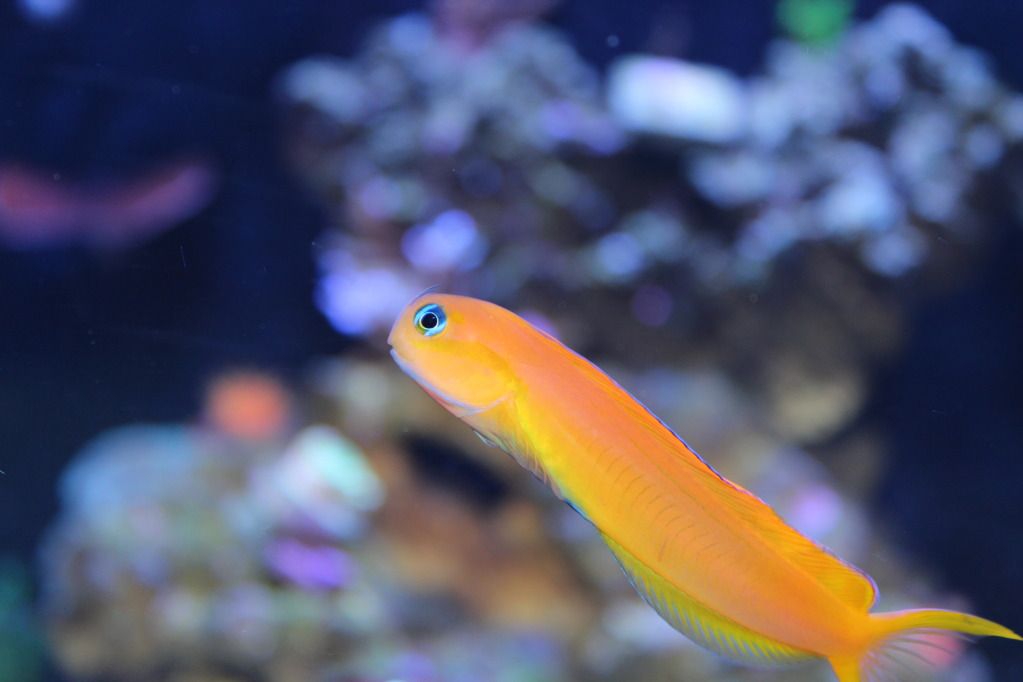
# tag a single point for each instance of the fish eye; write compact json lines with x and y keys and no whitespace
{"x":430,"y":319}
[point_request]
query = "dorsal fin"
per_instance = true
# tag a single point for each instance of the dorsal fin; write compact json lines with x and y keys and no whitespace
{"x":846,"y":582}
{"x":699,"y":623}
{"x":851,"y":585}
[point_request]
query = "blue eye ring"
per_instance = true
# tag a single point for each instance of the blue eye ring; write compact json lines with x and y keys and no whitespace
{"x":430,"y":319}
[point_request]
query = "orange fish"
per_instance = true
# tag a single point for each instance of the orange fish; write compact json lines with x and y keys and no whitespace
{"x":711,"y":558}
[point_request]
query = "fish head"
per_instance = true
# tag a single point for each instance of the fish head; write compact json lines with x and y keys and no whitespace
{"x":452,"y":347}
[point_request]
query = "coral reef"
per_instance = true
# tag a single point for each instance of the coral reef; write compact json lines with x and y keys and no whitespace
{"x":181,"y":550}
{"x":742,"y":260}
{"x":627,"y":640}
{"x":805,"y":208}
{"x":191,"y":552}
{"x":757,"y":240}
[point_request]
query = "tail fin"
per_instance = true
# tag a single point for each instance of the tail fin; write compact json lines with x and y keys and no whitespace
{"x":901,"y":631}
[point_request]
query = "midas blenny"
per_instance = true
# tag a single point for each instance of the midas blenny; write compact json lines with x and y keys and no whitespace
{"x":711,"y":558}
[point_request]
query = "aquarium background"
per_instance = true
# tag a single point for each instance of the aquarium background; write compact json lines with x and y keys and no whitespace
{"x":791,"y":228}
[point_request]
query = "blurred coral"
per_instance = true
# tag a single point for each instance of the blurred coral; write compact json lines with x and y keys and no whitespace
{"x":436,"y":552}
{"x":742,"y":260}
{"x":794,"y":208}
{"x":195,"y":552}
{"x":471,"y":23}
{"x":46,"y":11}
{"x":248,"y":405}
{"x":815,"y":21}
{"x":21,"y":642}
{"x":44,"y":210}
{"x":170,"y":552}
{"x":769,"y":235}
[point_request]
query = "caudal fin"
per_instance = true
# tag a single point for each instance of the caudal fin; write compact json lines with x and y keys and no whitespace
{"x":902,"y":632}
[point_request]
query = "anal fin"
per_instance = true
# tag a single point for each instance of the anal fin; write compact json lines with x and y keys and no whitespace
{"x":699,"y":623}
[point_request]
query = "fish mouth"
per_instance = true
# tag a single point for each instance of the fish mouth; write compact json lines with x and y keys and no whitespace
{"x":457,"y":407}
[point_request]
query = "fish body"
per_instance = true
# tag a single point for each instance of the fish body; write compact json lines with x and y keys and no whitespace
{"x":712,"y":559}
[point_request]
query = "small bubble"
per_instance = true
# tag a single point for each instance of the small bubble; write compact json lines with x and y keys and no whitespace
{"x":613,"y":41}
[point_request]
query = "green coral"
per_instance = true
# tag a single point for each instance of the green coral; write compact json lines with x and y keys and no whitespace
{"x":21,"y":646}
{"x":815,"y":22}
